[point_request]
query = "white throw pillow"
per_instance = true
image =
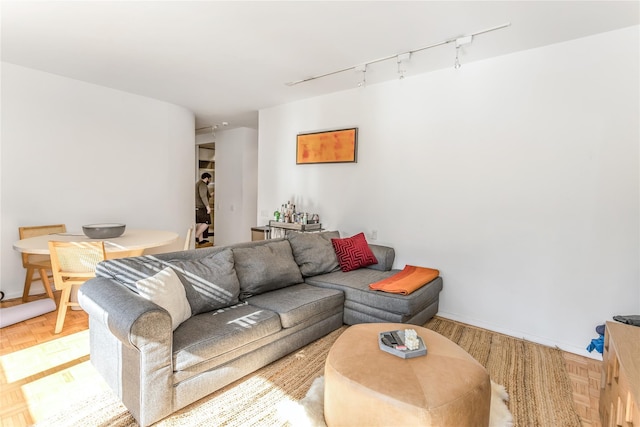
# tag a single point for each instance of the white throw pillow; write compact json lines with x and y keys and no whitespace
{"x":166,"y":290}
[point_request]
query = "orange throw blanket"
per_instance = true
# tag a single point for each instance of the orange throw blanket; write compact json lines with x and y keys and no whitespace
{"x":406,"y":281}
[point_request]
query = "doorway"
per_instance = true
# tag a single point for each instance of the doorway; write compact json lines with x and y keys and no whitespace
{"x":207,"y":163}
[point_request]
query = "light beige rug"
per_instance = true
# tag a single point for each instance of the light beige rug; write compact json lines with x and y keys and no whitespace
{"x":534,"y":377}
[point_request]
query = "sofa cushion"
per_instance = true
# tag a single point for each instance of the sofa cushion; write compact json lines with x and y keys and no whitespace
{"x":314,"y":252}
{"x":166,"y":290}
{"x":210,"y":335}
{"x":210,"y":282}
{"x":353,"y":252}
{"x":298,"y":303}
{"x":385,"y":256}
{"x":265,"y":268}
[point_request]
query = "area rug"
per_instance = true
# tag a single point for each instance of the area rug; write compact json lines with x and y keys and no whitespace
{"x":534,"y":376}
{"x":251,"y":401}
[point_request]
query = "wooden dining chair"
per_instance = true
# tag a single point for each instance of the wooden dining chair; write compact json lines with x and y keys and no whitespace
{"x":72,"y":264}
{"x":187,"y":241}
{"x":39,"y":263}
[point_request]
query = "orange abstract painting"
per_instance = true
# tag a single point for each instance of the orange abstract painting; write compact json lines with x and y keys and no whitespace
{"x":336,"y":146}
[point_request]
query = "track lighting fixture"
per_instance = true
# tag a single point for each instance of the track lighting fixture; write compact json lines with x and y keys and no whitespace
{"x":461,"y":41}
{"x":402,"y":58}
{"x":211,"y":128}
{"x":362,"y":69}
{"x":224,"y":124}
{"x":456,"y":63}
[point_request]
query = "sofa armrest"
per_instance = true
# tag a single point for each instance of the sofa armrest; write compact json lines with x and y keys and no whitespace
{"x":131,"y":346}
{"x":125,"y":312}
{"x":385,"y":256}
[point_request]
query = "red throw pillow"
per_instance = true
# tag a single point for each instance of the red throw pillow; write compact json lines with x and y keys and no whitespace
{"x":353,"y":252}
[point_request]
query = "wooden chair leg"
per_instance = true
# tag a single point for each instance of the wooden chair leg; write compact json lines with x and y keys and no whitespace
{"x":27,"y":284}
{"x":44,"y":276}
{"x":62,"y":308}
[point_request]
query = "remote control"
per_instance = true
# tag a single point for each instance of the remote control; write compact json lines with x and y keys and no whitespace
{"x":397,"y":338}
{"x":391,"y":338}
{"x":386,"y":342}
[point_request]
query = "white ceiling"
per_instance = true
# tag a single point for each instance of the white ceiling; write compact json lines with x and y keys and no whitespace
{"x":224,"y":60}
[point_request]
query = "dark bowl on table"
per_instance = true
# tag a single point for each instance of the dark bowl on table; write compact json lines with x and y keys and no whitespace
{"x":103,"y":231}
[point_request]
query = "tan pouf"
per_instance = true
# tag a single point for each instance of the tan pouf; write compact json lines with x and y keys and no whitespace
{"x":366,"y":386}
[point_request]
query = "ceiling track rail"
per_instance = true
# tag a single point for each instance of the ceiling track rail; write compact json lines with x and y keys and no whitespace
{"x":402,"y":54}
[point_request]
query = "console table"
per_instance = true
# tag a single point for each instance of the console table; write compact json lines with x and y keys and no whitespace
{"x":259,"y":233}
{"x":620,"y":383}
{"x":278,"y":229}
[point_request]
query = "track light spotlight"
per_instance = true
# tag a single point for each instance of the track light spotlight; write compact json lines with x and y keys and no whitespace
{"x":400,"y":59}
{"x":461,"y":41}
{"x":362,"y":69}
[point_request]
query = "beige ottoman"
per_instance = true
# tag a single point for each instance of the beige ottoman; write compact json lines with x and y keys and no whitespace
{"x":368,"y":387}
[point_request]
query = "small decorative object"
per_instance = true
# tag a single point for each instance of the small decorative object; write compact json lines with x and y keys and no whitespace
{"x":338,"y":146}
{"x":411,"y":339}
{"x":402,"y":343}
{"x":103,"y":231}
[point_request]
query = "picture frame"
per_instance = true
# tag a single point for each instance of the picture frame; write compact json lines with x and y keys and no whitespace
{"x":334,"y":146}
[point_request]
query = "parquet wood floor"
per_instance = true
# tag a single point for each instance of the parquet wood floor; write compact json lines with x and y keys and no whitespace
{"x":40,"y":372}
{"x":585,"y":379}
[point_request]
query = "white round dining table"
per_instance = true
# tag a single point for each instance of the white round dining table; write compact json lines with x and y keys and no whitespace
{"x":131,"y":243}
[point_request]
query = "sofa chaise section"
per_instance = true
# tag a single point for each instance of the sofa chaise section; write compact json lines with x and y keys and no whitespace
{"x":362,"y":305}
{"x":316,"y":257}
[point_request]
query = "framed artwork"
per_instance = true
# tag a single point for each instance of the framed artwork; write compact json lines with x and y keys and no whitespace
{"x":335,"y":146}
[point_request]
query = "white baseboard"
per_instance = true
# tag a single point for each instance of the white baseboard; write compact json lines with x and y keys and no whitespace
{"x":518,"y":334}
{"x":37,"y":288}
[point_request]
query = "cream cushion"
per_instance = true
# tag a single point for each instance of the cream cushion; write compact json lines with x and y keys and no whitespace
{"x":166,"y":290}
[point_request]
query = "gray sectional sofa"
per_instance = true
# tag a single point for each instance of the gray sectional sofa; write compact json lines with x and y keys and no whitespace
{"x":247,"y":305}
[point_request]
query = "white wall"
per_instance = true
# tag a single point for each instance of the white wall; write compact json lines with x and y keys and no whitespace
{"x":517,"y":177}
{"x":77,"y":153}
{"x":236,"y":185}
